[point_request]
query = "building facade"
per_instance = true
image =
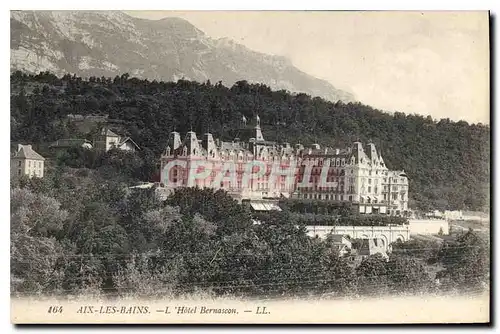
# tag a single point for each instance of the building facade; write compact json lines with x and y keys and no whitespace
{"x":352,"y":175}
{"x":26,"y":161}
{"x":227,"y":164}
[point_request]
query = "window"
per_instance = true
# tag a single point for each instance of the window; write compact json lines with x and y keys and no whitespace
{"x":39,"y":164}
{"x":19,"y":163}
{"x":29,"y":163}
{"x":369,"y":189}
{"x":19,"y":171}
{"x":350,"y":198}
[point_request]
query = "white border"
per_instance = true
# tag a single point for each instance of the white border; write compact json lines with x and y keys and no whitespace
{"x":191,"y":5}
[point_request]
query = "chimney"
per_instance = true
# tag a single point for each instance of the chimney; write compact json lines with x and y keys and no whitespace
{"x":174,"y":140}
{"x":372,"y":151}
{"x":208,"y":142}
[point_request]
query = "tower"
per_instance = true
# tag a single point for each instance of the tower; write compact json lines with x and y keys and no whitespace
{"x":258,"y":132}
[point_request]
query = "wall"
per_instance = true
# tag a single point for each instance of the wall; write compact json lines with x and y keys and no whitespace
{"x":128,"y":146}
{"x":428,"y":226}
{"x":388,"y":234}
{"x":28,"y":167}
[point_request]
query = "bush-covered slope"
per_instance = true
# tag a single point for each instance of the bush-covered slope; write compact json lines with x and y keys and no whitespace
{"x":447,"y":162}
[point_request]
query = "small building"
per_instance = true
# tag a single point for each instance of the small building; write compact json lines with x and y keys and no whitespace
{"x":107,"y":140}
{"x":453,"y":214}
{"x":26,"y":161}
{"x":371,"y":246}
{"x":342,"y":243}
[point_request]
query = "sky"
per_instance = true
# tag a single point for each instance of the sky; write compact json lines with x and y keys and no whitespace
{"x":428,"y":63}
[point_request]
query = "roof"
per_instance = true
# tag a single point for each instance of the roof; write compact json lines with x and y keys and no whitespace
{"x":108,"y":133}
{"x":27,"y":152}
{"x":264,"y":206}
{"x":69,"y":142}
{"x":127,"y":139}
{"x":370,"y":246}
{"x":143,"y":186}
{"x":337,"y":238}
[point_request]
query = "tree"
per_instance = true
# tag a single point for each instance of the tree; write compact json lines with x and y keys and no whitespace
{"x":408,"y":276}
{"x":35,"y":218}
{"x":215,"y":206}
{"x":466,"y":263}
{"x":372,"y":274}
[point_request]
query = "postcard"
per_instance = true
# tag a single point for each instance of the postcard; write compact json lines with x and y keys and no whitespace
{"x":253,"y":167}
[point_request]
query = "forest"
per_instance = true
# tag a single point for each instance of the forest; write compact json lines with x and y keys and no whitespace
{"x":447,"y":162}
{"x":82,"y":232}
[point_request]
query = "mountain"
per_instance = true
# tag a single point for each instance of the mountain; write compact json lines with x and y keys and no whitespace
{"x":110,"y":43}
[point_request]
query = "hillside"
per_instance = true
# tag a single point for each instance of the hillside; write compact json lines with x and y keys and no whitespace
{"x":109,"y":43}
{"x":447,"y":162}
